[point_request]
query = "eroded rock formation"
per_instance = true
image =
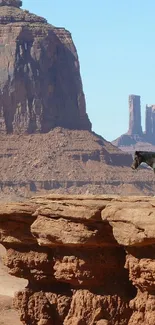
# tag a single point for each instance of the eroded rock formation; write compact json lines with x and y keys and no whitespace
{"x":40,"y":82}
{"x":88,"y":259}
{"x":135,"y":138}
{"x":134,"y":115}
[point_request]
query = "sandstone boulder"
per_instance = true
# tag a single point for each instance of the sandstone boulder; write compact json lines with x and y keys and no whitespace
{"x":132,"y":222}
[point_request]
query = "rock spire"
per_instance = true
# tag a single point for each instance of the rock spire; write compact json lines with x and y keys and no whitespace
{"x":134,"y":115}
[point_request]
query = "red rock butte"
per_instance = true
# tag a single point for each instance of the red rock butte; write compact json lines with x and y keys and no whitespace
{"x":40,"y":82}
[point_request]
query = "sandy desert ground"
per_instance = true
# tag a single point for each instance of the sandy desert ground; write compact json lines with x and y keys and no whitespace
{"x":8,"y":286}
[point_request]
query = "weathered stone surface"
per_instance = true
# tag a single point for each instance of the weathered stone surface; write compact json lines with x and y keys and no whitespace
{"x":51,"y":232}
{"x":143,"y":309}
{"x":132,"y":222}
{"x":18,"y":18}
{"x":67,"y":222}
{"x":12,"y":3}
{"x":73,"y":209}
{"x":40,"y":82}
{"x":32,"y":264}
{"x":66,"y":265}
{"x":141,"y":272}
{"x":16,"y":219}
{"x":43,"y":307}
{"x":89,"y":308}
{"x":92,"y":267}
{"x":79,"y":307}
{"x":89,"y":260}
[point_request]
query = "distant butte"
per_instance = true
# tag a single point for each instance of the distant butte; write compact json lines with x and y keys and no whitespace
{"x":135,"y":138}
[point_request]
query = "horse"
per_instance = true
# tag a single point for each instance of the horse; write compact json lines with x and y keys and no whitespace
{"x":147,"y":157}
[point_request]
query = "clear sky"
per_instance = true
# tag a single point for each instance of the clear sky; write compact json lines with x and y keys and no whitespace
{"x":116,"y":49}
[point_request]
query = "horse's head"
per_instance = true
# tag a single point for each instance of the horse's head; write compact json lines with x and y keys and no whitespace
{"x":138,"y":158}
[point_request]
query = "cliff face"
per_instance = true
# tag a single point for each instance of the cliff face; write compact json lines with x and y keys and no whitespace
{"x":40,"y":83}
{"x":88,"y":259}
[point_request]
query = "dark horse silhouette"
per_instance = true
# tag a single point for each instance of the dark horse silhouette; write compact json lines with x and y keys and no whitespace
{"x":147,"y":157}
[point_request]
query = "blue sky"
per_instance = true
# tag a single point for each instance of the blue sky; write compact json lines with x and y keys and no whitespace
{"x":116,"y":48}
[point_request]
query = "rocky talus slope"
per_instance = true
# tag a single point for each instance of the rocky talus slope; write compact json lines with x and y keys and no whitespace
{"x":67,"y":161}
{"x":89,"y":260}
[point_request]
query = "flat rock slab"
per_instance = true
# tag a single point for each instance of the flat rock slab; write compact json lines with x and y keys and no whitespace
{"x":132,"y":221}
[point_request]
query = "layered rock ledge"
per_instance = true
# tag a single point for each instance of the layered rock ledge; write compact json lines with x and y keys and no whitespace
{"x":89,"y":260}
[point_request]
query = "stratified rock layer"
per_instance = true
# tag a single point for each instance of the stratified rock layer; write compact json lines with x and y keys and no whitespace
{"x":40,"y":83}
{"x":89,"y":260}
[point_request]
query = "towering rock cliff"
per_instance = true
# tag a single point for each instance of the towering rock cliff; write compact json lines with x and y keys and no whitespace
{"x":40,"y":83}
